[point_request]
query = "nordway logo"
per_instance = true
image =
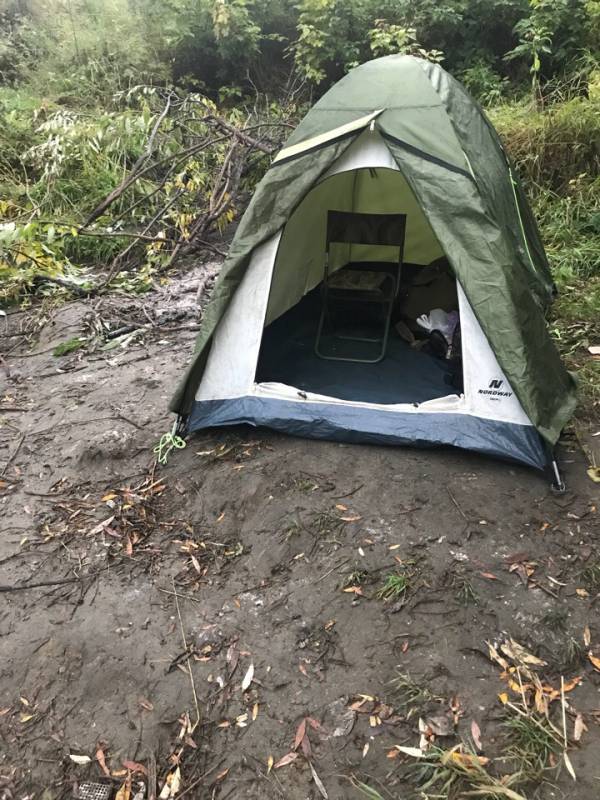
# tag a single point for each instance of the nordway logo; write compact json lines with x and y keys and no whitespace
{"x":493,"y":390}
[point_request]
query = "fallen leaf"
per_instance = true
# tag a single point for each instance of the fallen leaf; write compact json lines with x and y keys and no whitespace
{"x":101,"y":526}
{"x":468,"y":760}
{"x":594,"y":349}
{"x":439,"y":725}
{"x":579,"y":727}
{"x":353,"y":518}
{"x":80,"y":759}
{"x":300,"y":734}
{"x":365,"y":750}
{"x":570,"y":685}
{"x":341,"y":507}
{"x":503,"y":697}
{"x":306,"y":748}
{"x":146,"y":704}
{"x":302,"y":668}
{"x":254,"y":711}
{"x":415,"y":752}
{"x":269,"y":764}
{"x":518,"y":653}
{"x":582,"y":593}
{"x":196,"y":564}
{"x":171,"y":785}
{"x":221,"y":776}
{"x":489,"y":575}
{"x":594,"y":474}
{"x":248,"y":678}
{"x":288,"y":758}
{"x":595,"y":660}
{"x":587,"y":636}
{"x":232,"y":657}
{"x":318,"y":781}
{"x":354,"y":590}
{"x":101,"y":759}
{"x":338,"y":718}
{"x":124,"y":792}
{"x":569,"y":766}
{"x":495,"y":656}
{"x":476,"y":734}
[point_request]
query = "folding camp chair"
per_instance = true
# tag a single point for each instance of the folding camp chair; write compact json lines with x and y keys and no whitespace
{"x":360,"y":282}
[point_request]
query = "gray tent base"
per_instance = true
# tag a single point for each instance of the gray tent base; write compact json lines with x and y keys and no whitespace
{"x":361,"y":424}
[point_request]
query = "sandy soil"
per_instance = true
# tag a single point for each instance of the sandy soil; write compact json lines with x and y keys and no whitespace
{"x":193,"y":616}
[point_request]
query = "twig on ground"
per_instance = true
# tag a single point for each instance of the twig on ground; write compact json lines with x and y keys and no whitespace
{"x":13,"y":455}
{"x":189,"y":668}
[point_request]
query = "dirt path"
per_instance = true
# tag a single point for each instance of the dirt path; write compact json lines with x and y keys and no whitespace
{"x":200,"y":612}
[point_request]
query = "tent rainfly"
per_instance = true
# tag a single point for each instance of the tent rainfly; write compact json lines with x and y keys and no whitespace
{"x":396,"y":136}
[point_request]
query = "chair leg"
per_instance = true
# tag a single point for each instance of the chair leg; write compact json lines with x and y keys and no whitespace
{"x":320,"y":331}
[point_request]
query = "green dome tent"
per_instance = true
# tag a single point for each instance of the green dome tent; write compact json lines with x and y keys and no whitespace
{"x":396,"y":136}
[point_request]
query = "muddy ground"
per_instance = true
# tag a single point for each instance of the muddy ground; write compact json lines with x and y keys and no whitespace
{"x":194,"y":615}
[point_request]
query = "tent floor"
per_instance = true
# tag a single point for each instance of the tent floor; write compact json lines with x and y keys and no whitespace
{"x":405,"y":375}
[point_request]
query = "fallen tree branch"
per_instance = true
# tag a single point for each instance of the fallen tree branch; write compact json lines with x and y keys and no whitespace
{"x":133,"y":174}
{"x":241,"y":135}
{"x":39,"y":584}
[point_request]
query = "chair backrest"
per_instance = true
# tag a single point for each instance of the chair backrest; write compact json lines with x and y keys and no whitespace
{"x":351,"y":227}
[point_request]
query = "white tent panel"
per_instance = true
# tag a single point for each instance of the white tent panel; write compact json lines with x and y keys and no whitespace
{"x":487,"y":391}
{"x":232,"y":360}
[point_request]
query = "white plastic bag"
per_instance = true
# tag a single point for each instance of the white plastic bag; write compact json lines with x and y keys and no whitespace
{"x":439,"y":320}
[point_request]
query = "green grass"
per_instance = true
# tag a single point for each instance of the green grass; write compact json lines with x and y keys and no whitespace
{"x":395,"y":586}
{"x":411,"y":695}
{"x":465,"y":592}
{"x":590,"y":577}
{"x":533,"y":745}
{"x":69,"y":346}
{"x":556,"y":619}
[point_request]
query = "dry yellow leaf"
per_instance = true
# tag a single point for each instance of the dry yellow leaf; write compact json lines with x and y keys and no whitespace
{"x":469,"y":760}
{"x":595,"y":660}
{"x":270,"y":761}
{"x":594,"y":474}
{"x":124,"y":792}
{"x":254,"y":711}
{"x":503,"y":697}
{"x":587,"y":636}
